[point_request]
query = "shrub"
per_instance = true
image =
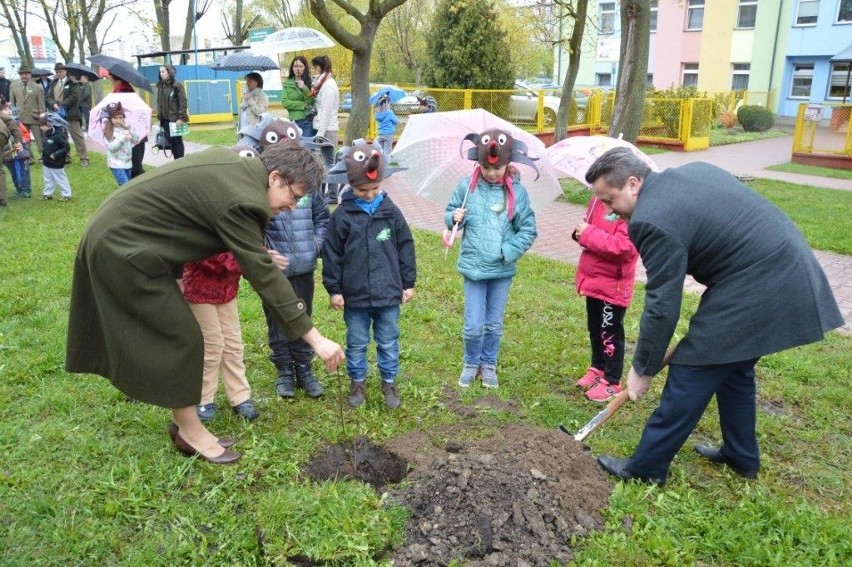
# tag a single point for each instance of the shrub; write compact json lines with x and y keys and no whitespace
{"x":755,"y":118}
{"x":728,"y":119}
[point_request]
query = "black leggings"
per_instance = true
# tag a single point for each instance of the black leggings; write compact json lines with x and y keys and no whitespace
{"x":606,"y":335}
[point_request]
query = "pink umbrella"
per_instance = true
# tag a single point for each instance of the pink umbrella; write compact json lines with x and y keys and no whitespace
{"x":572,"y":157}
{"x":137,"y":115}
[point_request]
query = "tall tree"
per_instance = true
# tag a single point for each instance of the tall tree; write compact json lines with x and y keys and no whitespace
{"x":361,"y":45}
{"x":83,"y":21}
{"x":15,"y":14}
{"x":276,"y":11}
{"x":400,"y":50}
{"x":195,"y":10}
{"x":161,"y":10}
{"x":237,"y":21}
{"x":578,"y":16}
{"x":633,"y":67}
{"x":467,"y":47}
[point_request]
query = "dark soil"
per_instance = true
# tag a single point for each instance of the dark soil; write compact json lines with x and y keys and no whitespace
{"x":513,"y":499}
{"x":358,"y":460}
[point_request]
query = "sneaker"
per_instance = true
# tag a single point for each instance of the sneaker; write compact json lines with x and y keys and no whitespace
{"x":206,"y":412}
{"x":246,"y":411}
{"x":590,"y":378}
{"x":391,"y":397}
{"x":47,"y":197}
{"x":64,"y":199}
{"x":357,"y":394}
{"x":468,"y":375}
{"x":603,"y":391}
{"x":489,"y":376}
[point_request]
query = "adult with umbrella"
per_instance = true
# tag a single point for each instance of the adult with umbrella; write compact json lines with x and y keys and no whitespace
{"x":129,"y":321}
{"x":122,"y":88}
{"x":28,"y":97}
{"x":254,"y":103}
{"x":172,"y":108}
{"x":296,"y":96}
{"x":123,"y":69}
{"x":85,"y":75}
{"x":42,"y":78}
{"x":63,"y":97}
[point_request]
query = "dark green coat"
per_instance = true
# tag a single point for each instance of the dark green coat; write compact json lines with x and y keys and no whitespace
{"x":128,"y":320}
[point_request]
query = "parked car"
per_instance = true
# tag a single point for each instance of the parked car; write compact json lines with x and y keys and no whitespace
{"x":523,"y":106}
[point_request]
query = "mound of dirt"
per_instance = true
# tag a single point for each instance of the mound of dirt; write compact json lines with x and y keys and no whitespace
{"x":513,"y":499}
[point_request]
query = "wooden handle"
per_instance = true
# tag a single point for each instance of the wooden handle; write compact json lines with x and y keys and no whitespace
{"x":619,"y":400}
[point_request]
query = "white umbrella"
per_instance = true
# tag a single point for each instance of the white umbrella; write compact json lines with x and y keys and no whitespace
{"x":430,"y":148}
{"x":137,"y":115}
{"x":292,"y":39}
{"x":572,"y":157}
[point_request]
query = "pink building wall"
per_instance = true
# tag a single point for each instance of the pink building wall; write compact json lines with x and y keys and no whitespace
{"x":672,"y":45}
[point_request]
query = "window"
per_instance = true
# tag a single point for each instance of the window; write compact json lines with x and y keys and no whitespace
{"x":803,"y":76}
{"x":603,"y":79}
{"x":649,"y":80}
{"x":807,"y":14}
{"x":694,"y":14}
{"x":844,"y":12}
{"x":690,"y":74}
{"x":607,"y":17}
{"x":653,"y":16}
{"x":839,"y":74}
{"x":747,"y":14}
{"x":739,"y":76}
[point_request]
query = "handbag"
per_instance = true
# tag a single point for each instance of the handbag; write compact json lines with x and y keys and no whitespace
{"x":176,"y":130}
{"x":310,"y":113}
{"x":161,"y":142}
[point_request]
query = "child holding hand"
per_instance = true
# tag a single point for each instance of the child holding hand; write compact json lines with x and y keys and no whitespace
{"x":55,"y":150}
{"x":493,"y":209}
{"x":368,"y":267}
{"x":120,"y":139}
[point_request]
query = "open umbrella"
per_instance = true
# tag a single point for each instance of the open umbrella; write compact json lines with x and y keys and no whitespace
{"x":123,"y":70}
{"x":244,"y":61}
{"x":430,"y":148}
{"x":37,"y":72}
{"x":572,"y":157}
{"x":292,"y":39}
{"x":137,"y":115}
{"x":393,"y":94}
{"x":78,"y":69}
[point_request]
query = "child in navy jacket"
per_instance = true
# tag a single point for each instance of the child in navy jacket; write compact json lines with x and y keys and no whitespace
{"x":368,"y":267}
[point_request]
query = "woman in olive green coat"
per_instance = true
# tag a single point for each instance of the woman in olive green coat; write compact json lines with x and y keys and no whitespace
{"x":128,"y":319}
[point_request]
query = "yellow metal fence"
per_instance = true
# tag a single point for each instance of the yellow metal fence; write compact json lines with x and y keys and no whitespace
{"x":823,"y":129}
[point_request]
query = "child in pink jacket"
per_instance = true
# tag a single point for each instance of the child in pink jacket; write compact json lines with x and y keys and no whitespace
{"x":605,"y":275}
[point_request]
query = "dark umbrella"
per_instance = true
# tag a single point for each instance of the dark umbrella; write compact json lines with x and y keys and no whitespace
{"x":78,"y":69}
{"x":41,"y":72}
{"x":123,"y":70}
{"x":244,"y":61}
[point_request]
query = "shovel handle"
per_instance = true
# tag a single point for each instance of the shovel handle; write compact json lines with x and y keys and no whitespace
{"x":619,"y":400}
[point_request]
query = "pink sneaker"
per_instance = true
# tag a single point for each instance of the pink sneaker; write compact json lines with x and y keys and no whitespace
{"x":590,"y":378}
{"x":603,"y":391}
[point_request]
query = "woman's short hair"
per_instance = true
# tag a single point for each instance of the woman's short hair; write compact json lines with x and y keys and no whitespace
{"x":323,"y":62}
{"x":256,"y":77}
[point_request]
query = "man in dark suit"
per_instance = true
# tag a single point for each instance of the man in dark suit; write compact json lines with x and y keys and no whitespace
{"x":64,"y":96}
{"x":699,"y":220}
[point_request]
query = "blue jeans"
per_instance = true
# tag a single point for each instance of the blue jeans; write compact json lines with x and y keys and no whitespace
{"x":386,"y":333}
{"x":121,"y":175}
{"x":20,"y":170}
{"x":307,"y":126}
{"x":687,"y":392}
{"x":484,"y":306}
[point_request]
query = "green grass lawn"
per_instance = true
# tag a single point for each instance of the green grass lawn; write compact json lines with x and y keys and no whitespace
{"x":813,"y":170}
{"x":87,"y":478}
{"x":722,"y":137}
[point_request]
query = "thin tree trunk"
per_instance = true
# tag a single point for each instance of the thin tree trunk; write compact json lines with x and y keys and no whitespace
{"x":574,"y":46}
{"x":633,"y":66}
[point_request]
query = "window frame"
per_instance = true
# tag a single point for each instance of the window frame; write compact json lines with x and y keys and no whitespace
{"x":752,"y":5}
{"x":802,"y":66}
{"x":842,"y":74}
{"x":691,"y":7}
{"x":743,"y":71}
{"x":797,"y":23}
{"x":837,"y":19}
{"x":599,"y":83}
{"x":654,"y":6}
{"x":607,"y":12}
{"x":690,"y":69}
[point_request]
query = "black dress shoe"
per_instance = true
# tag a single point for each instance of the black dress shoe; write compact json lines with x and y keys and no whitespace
{"x":615,"y":467}
{"x":226,"y":458}
{"x":715,"y":455}
{"x":223,"y":441}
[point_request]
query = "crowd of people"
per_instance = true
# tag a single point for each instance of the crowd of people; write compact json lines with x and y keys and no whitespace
{"x":168,"y":281}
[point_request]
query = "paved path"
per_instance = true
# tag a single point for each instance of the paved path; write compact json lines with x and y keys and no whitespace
{"x":555,"y":222}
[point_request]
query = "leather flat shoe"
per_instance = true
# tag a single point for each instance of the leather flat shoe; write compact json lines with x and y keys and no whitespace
{"x":616,"y":467}
{"x":226,"y":458}
{"x":225,"y":442}
{"x":714,"y":455}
